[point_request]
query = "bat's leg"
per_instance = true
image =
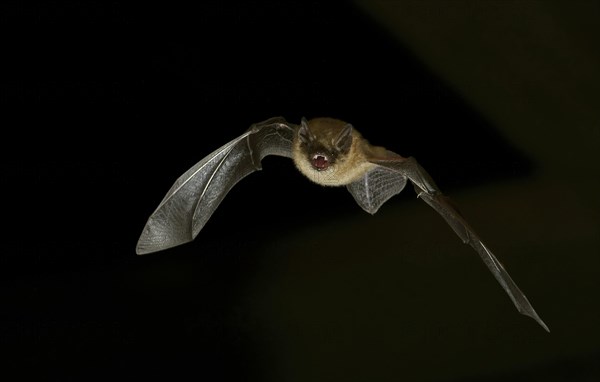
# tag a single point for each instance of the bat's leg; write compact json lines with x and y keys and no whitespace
{"x":428,"y":191}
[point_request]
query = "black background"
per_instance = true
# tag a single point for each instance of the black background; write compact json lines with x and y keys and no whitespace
{"x":107,"y":104}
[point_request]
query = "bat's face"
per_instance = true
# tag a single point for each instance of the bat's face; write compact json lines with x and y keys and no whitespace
{"x":323,"y":150}
{"x":325,"y":142}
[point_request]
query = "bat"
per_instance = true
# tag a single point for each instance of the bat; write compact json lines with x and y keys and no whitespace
{"x":329,"y":152}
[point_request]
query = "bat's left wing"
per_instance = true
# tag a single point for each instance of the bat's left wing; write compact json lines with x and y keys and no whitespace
{"x":196,"y":194}
{"x":400,"y":168}
{"x":375,"y":188}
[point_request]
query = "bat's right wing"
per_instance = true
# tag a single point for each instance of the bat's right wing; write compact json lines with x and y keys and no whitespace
{"x":196,"y":194}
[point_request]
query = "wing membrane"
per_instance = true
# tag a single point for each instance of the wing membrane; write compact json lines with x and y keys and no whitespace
{"x":196,"y":194}
{"x":376,"y":188}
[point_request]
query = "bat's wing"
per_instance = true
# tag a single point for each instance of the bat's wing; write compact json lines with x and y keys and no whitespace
{"x":428,"y":191}
{"x":376,"y":187}
{"x":196,"y":194}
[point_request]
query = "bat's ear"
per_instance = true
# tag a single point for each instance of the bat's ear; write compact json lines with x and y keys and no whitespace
{"x":344,"y":139}
{"x":304,"y":132}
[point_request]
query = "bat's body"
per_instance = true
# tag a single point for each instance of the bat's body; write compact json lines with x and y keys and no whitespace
{"x":329,"y":152}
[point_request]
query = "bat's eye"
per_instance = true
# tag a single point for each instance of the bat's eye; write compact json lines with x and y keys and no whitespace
{"x":320,"y":162}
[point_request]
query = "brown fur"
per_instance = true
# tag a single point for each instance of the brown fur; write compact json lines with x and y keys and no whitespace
{"x":346,"y":169}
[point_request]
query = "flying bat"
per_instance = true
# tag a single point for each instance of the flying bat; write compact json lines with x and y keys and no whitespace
{"x":329,"y":152}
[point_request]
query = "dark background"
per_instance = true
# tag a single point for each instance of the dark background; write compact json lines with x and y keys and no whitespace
{"x":107,"y":104}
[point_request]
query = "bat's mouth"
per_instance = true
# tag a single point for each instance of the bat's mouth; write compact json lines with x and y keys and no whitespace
{"x":320,"y":162}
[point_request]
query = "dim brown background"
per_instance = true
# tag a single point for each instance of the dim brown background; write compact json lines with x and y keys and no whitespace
{"x":107,"y":104}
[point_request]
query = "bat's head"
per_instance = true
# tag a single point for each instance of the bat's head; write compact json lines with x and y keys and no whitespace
{"x":322,"y":150}
{"x":324,"y":141}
